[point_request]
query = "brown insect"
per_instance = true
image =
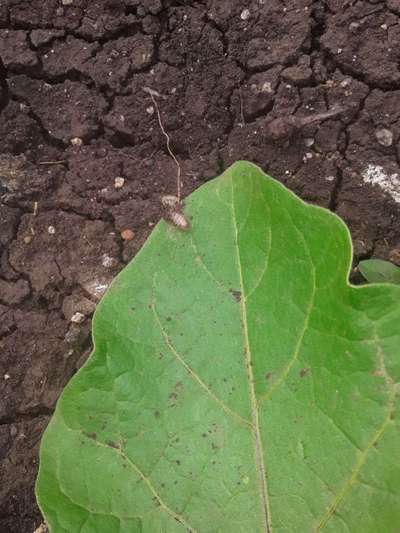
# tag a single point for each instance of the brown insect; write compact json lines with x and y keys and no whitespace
{"x":286,"y":127}
{"x":173,"y":212}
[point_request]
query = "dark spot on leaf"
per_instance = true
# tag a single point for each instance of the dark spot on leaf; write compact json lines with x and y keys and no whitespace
{"x":168,"y":319}
{"x":304,"y":372}
{"x":112,"y":444}
{"x":157,"y":414}
{"x":175,"y":393}
{"x":236,"y":294}
{"x":91,"y":435}
{"x":175,"y":482}
{"x":178,"y":462}
{"x":162,"y":485}
{"x":268,"y":375}
{"x":214,"y":446}
{"x":204,"y":435}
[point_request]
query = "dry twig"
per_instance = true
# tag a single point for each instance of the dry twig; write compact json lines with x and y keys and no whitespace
{"x":153,"y":94}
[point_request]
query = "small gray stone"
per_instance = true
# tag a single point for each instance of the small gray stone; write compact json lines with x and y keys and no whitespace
{"x":384,"y":137}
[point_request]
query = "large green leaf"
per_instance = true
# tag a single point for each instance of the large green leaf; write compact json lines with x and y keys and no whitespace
{"x":238,"y":382}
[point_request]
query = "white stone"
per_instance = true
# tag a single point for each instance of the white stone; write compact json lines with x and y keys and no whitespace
{"x":384,"y":137}
{"x":119,"y":182}
{"x":107,"y":261}
{"x":78,"y":318}
{"x":266,"y":87}
{"x":309,"y":141}
{"x":51,"y":230}
{"x":390,"y":183}
{"x":245,"y":14}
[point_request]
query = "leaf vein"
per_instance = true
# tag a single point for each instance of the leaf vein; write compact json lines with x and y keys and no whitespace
{"x":200,"y":262}
{"x":258,"y":446}
{"x":193,"y":374}
{"x":179,"y":518}
{"x":285,"y":372}
{"x":362,"y":457}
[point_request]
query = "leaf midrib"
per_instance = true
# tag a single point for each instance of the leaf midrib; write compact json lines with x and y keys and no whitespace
{"x":258,"y":446}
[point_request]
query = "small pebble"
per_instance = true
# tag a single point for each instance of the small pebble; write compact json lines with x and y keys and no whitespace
{"x":150,"y":110}
{"x":384,"y":137}
{"x":245,"y":14}
{"x":67,"y":2}
{"x":78,"y":318}
{"x":72,"y":335}
{"x":309,"y":141}
{"x":127,"y":235}
{"x":394,"y":256}
{"x":41,"y":529}
{"x":27,"y":239}
{"x":76,"y":141}
{"x":6,"y":376}
{"x":68,"y":354}
{"x":51,"y":230}
{"x":107,"y":261}
{"x":119,"y":182}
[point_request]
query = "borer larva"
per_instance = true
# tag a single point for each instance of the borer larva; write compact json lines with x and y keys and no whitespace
{"x":173,"y":212}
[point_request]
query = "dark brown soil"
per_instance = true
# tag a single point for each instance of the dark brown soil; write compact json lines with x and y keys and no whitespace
{"x":71,"y":91}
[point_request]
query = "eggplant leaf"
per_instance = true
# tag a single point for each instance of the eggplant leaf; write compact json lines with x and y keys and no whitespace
{"x":238,"y":382}
{"x":379,"y":271}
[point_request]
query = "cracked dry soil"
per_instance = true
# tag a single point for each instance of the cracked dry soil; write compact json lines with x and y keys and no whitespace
{"x":71,"y":93}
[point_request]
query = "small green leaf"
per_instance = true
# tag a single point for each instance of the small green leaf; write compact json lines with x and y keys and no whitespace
{"x":379,"y":271}
{"x":238,"y":382}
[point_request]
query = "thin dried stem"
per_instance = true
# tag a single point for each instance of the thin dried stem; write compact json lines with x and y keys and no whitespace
{"x":61,"y":162}
{"x":152,"y":93}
